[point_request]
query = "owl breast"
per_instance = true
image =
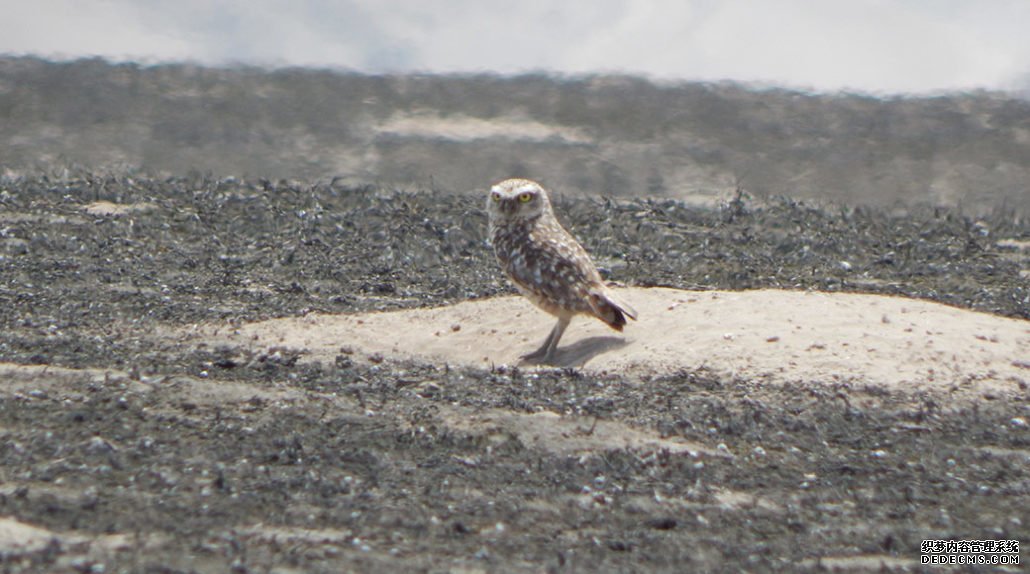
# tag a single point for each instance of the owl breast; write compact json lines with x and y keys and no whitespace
{"x":546,"y":264}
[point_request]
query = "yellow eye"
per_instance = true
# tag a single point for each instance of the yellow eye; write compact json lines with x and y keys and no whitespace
{"x":496,"y":197}
{"x":525,"y":197}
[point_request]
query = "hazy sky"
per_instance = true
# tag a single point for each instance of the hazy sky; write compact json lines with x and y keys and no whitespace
{"x":881,"y":46}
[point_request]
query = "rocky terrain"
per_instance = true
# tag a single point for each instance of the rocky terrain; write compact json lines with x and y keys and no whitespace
{"x":128,"y":446}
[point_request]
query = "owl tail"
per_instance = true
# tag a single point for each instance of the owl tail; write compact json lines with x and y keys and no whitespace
{"x":610,"y":309}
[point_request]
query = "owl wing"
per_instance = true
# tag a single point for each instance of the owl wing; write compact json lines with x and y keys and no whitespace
{"x":609,"y":308}
{"x":556,"y":267}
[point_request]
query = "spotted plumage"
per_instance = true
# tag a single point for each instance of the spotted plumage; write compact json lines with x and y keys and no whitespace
{"x":546,"y":263}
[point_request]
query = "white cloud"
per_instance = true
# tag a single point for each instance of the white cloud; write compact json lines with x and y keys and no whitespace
{"x":860,"y":44}
{"x":872,"y":45}
{"x":67,"y":28}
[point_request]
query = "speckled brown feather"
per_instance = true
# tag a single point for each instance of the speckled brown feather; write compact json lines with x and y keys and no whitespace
{"x":549,"y":266}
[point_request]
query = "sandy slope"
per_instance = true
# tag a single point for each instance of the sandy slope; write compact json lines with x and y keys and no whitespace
{"x":773,"y":335}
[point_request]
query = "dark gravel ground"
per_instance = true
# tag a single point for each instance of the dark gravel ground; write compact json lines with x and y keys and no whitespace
{"x":355,"y":466}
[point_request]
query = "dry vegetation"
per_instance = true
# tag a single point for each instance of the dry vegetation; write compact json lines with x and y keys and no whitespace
{"x":128,"y":447}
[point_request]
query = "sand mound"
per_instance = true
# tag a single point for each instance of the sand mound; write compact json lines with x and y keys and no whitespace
{"x":777,"y":336}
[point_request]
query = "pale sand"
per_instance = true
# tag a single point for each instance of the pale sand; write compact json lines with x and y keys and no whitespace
{"x":767,"y":335}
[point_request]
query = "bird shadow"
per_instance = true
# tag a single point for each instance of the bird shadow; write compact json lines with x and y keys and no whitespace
{"x":580,"y":352}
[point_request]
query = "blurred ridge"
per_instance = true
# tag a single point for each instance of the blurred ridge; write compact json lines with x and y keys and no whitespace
{"x":609,"y":135}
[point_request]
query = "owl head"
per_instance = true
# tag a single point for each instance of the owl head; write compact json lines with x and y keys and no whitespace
{"x":517,"y":199}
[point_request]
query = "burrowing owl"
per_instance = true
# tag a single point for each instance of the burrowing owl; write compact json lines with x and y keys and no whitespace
{"x":546,"y":263}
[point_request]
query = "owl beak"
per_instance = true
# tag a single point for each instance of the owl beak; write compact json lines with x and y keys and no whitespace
{"x":508,"y":207}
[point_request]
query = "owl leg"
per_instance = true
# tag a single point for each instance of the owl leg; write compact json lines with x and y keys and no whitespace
{"x":546,"y":351}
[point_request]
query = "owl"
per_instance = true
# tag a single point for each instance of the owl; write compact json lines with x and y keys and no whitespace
{"x":546,"y":263}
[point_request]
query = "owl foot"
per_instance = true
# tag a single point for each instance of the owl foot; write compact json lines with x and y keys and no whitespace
{"x":538,"y":356}
{"x":545,"y":354}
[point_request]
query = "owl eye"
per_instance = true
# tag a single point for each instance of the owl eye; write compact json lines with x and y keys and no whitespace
{"x":495,"y":196}
{"x":525,"y":197}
